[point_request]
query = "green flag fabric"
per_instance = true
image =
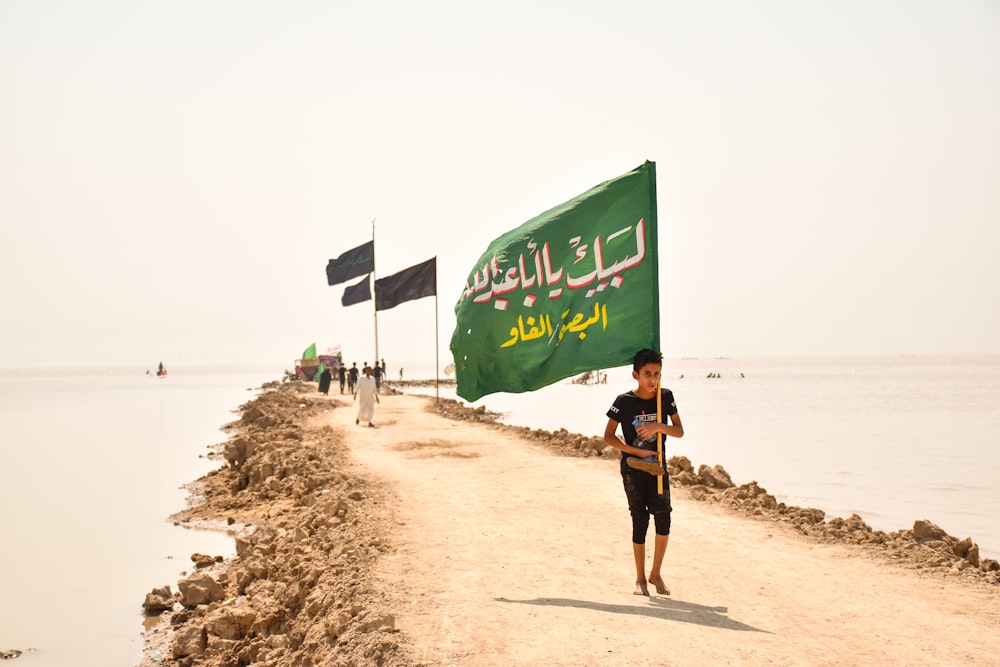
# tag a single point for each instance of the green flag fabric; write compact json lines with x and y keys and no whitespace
{"x":310,"y":352}
{"x":573,"y":289}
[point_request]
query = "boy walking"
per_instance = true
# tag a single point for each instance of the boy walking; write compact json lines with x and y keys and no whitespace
{"x":636,"y":412}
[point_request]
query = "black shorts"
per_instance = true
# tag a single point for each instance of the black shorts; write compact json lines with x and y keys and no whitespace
{"x":641,"y":492}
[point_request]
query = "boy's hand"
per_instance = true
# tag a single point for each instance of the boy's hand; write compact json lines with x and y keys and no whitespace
{"x":647,"y":431}
{"x":640,"y":453}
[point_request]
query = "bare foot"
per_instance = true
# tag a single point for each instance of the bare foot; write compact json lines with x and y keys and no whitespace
{"x":661,"y":587}
{"x":640,"y":588}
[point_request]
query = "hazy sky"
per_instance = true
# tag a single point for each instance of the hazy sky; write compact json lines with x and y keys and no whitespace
{"x":174,"y":176}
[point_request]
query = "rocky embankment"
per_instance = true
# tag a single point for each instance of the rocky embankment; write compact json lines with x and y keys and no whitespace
{"x":307,"y":539}
{"x":308,"y":536}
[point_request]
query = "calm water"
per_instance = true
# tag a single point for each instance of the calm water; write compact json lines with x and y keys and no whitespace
{"x":892,"y":439}
{"x":93,"y":466}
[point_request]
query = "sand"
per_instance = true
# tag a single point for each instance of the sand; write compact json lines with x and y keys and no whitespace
{"x":442,"y":538}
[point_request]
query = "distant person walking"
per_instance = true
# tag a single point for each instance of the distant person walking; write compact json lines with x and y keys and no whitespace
{"x":378,"y":378}
{"x":352,"y":377}
{"x":324,"y":381}
{"x":342,"y":376}
{"x":368,"y":397}
{"x":400,"y":373}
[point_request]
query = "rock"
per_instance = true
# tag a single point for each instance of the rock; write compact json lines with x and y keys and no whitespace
{"x":158,"y":600}
{"x":201,"y":560}
{"x":972,"y":555}
{"x":238,"y":450}
{"x":715,"y":477}
{"x":190,"y":640}
{"x":244,"y":547}
{"x":925,"y":530}
{"x":681,"y":463}
{"x":685,"y":478}
{"x":855,"y":525}
{"x":962,"y":547}
{"x":199,"y":589}
{"x":252,"y":414}
{"x":230,"y":623}
{"x":810,"y":515}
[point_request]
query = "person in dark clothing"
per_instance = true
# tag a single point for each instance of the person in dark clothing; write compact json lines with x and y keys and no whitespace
{"x":324,"y":381}
{"x":641,"y":419}
{"x":352,"y":377}
{"x":342,"y":376}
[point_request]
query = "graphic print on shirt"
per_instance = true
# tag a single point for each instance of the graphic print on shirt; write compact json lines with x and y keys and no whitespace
{"x":640,"y":419}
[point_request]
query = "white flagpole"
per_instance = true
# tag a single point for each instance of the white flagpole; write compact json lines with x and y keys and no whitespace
{"x":437,"y":347}
{"x":374,"y":309}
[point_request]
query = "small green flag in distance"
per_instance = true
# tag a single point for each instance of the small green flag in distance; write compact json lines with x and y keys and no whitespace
{"x":571,"y":290}
{"x":310,"y":352}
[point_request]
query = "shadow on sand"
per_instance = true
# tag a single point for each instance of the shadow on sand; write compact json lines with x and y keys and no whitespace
{"x":655,"y":607}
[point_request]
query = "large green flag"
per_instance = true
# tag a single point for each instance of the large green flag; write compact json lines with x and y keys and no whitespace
{"x":310,"y":352}
{"x":572,"y":290}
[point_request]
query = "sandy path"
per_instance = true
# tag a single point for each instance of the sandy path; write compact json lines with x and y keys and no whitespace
{"x":511,"y":555}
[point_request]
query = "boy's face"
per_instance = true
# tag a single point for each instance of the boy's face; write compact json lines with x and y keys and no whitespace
{"x":648,"y":377}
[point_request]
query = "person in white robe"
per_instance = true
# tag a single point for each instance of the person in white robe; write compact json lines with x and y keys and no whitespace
{"x":366,"y":396}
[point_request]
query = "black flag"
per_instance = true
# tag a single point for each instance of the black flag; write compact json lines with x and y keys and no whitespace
{"x":360,"y":291}
{"x":413,"y":283}
{"x":353,"y":263}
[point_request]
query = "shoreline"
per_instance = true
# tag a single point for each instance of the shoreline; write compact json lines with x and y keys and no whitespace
{"x":309,"y":535}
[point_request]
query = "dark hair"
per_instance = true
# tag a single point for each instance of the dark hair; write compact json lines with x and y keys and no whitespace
{"x":646,"y":356}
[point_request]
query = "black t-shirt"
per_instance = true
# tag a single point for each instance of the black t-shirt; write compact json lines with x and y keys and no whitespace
{"x":628,"y":408}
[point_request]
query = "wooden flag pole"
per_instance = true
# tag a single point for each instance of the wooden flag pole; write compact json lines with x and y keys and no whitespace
{"x":659,"y":440}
